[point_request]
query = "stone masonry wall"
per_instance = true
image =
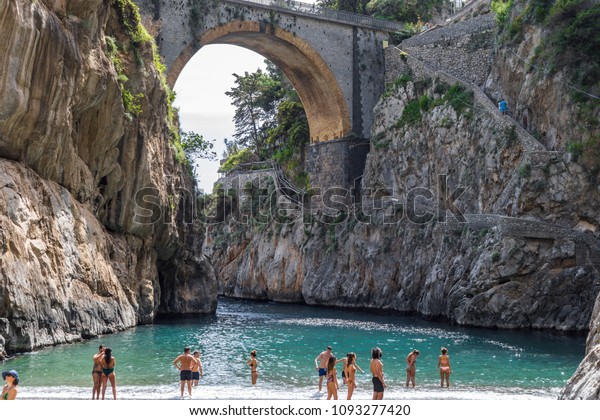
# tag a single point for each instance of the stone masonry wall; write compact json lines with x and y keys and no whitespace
{"x":368,"y":75}
{"x":463,"y":49}
{"x":336,"y":164}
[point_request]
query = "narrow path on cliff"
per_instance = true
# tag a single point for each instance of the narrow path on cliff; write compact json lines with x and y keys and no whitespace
{"x":534,"y":153}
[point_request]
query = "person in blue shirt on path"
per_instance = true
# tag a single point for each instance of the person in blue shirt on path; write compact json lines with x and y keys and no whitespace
{"x":502,"y":106}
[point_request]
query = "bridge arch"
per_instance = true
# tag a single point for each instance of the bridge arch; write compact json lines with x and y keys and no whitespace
{"x":318,"y":89}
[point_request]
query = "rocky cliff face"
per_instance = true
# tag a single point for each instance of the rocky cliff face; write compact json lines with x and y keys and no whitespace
{"x":524,"y":256}
{"x":81,"y":254}
{"x":508,"y":264}
{"x":585,"y":382}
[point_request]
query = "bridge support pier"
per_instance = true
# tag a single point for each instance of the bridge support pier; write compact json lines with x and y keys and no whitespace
{"x":337,"y":164}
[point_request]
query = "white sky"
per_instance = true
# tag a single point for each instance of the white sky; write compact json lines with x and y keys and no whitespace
{"x":203,"y":106}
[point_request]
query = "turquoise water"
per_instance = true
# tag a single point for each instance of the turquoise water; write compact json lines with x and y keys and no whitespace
{"x":486,"y":363}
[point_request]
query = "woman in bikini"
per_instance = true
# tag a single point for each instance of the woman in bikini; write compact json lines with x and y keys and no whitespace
{"x":444,"y":367}
{"x":253,"y":363}
{"x":9,"y":392}
{"x":107,"y":363}
{"x":332,"y":383}
{"x":411,"y":367}
{"x":351,"y":367}
{"x":344,"y":360}
{"x":377,"y":371}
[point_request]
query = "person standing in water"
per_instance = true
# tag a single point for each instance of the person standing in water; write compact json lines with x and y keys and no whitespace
{"x":332,"y":383}
{"x":10,"y":390}
{"x":377,"y":371}
{"x":351,"y":367}
{"x":411,"y":367}
{"x":321,"y":364}
{"x":97,"y":373}
{"x":253,"y":363}
{"x":344,"y":360}
{"x":444,"y":367}
{"x":108,"y":363}
{"x":185,"y":363}
{"x":197,"y":369}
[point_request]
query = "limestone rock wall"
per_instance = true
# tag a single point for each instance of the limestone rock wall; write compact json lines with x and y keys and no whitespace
{"x":585,"y":382}
{"x":79,"y":255}
{"x":501,"y":267}
{"x":542,"y":104}
{"x":526,"y":253}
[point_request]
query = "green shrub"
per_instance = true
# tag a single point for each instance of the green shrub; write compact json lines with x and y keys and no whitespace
{"x":495,"y":256}
{"x":575,"y":149}
{"x":459,"y":98}
{"x":235,"y":159}
{"x":401,"y":81}
{"x":425,"y":103}
{"x":511,"y":136}
{"x":541,"y":9}
{"x":441,"y":88}
{"x":502,"y":10}
{"x":524,"y":170}
{"x":129,"y":16}
{"x":132,"y":102}
{"x":410,"y":115}
{"x":446,"y":122}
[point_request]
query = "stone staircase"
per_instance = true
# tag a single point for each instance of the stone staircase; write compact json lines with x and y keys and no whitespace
{"x":534,"y":153}
{"x":286,"y":187}
{"x":283,"y":184}
{"x":421,"y":69}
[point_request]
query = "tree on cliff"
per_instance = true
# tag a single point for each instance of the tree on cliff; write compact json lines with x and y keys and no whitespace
{"x":255,"y":97}
{"x":270,"y":122}
{"x":195,"y":147}
{"x":355,"y":6}
{"x":398,"y":10}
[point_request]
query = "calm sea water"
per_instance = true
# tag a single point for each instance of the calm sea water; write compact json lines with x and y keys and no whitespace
{"x":487,"y":364}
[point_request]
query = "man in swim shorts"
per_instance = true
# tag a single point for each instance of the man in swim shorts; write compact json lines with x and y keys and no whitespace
{"x":376,"y":367}
{"x":321,"y":364}
{"x":185,"y":363}
{"x":97,"y":373}
{"x":197,"y":370}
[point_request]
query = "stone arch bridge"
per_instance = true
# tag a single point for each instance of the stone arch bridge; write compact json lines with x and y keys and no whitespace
{"x":334,"y":60}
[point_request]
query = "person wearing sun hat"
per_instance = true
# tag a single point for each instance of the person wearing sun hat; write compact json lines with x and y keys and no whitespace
{"x":9,"y":392}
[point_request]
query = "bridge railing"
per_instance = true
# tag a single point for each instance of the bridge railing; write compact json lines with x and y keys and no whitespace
{"x":313,"y":9}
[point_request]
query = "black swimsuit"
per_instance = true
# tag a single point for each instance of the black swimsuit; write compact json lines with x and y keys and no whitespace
{"x":377,"y":385}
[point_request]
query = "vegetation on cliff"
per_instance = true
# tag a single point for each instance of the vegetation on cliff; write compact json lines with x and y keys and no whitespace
{"x":398,"y":10}
{"x":430,"y":94}
{"x":270,"y":122}
{"x":570,"y":45}
{"x":413,"y":13}
{"x":128,"y":55}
